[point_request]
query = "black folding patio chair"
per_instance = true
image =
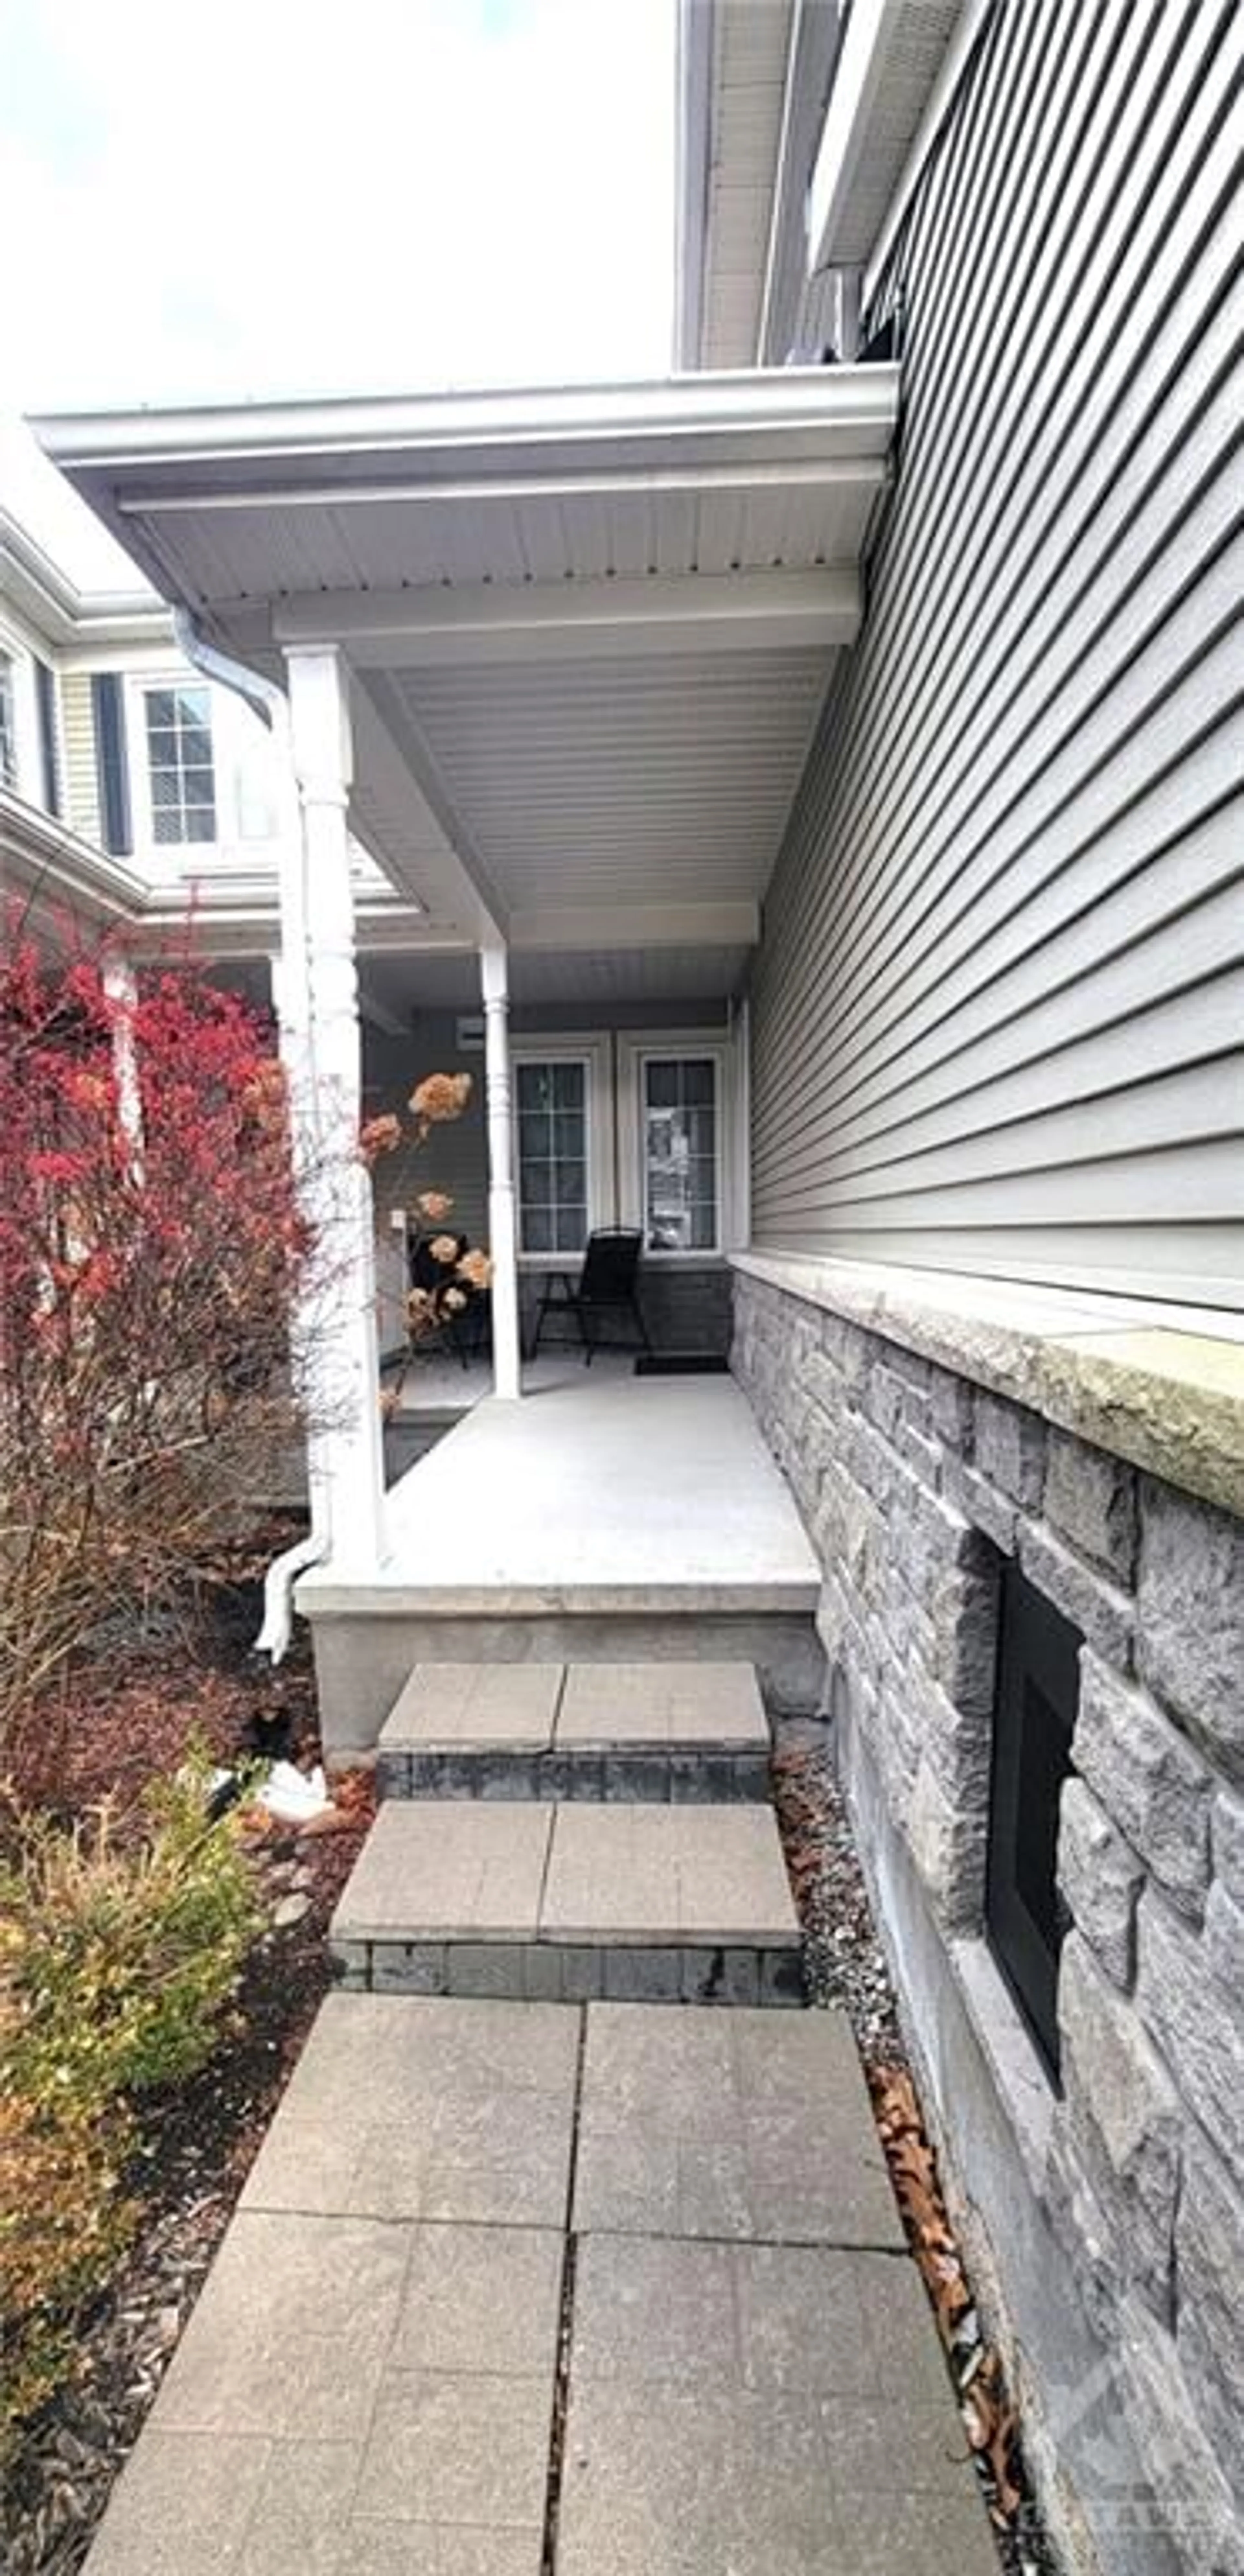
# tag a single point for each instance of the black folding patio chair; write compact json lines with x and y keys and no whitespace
{"x":608,"y":1284}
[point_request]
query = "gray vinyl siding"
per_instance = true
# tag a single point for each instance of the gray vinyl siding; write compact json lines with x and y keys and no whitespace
{"x":998,"y":1011}
{"x":454,"y":1157}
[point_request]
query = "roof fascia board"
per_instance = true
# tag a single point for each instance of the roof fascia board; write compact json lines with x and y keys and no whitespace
{"x":254,"y":930}
{"x":814,"y":44}
{"x":696,"y":53}
{"x":779,"y":197}
{"x":61,"y":612}
{"x":959,"y":55}
{"x":38,"y":849}
{"x":155,"y":649}
{"x":667,"y":612}
{"x":855,"y":461}
{"x":597,"y":927}
{"x":48,"y":859}
{"x":501,"y":433}
{"x":857,"y":83}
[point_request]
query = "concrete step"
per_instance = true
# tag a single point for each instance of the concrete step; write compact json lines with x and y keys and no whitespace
{"x":665,"y":1904}
{"x":655,"y":1733}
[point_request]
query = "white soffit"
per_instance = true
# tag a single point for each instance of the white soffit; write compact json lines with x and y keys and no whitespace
{"x":892,"y":54}
{"x":649,"y":782}
{"x":733,"y":64}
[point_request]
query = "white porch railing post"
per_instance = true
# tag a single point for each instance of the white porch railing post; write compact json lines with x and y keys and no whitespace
{"x":502,"y":1224}
{"x":344,"y":1389}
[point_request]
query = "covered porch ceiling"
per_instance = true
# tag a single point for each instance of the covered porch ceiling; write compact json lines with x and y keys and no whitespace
{"x":588,"y":633}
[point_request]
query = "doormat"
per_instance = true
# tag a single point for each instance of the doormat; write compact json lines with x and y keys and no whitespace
{"x":681,"y":1364}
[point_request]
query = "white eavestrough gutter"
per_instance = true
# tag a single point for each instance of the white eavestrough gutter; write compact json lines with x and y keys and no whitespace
{"x":269,"y":702}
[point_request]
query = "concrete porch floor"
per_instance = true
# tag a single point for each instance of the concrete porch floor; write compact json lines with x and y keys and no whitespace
{"x":604,"y":1482}
{"x":437,"y":1383}
{"x":605,"y":1518}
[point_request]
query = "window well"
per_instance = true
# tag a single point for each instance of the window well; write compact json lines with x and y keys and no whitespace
{"x":1034,"y":1720}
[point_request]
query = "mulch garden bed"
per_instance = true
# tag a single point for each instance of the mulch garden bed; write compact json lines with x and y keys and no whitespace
{"x":187,"y":1678}
{"x":844,"y":1966}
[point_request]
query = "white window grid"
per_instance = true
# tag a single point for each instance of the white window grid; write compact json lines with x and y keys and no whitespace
{"x":552,"y":1097}
{"x":181,"y":772}
{"x":680,"y":1152}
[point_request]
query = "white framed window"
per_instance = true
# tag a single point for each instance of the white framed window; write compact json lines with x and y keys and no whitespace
{"x":8,"y":721}
{"x":202,"y":772}
{"x":679,"y":1154}
{"x":563,"y":1146}
{"x":181,"y":771}
{"x":676,"y":1172}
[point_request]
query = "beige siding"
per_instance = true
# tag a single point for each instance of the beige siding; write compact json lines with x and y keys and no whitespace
{"x":999,"y":1009}
{"x":81,"y":786}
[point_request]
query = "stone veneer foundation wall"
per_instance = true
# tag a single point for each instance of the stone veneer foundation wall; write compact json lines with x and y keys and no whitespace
{"x":1106,"y":2227}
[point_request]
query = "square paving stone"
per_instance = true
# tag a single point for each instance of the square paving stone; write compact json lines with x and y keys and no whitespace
{"x":434,"y":2549}
{"x":482,"y":2299}
{"x":650,"y":2309}
{"x":180,"y":2506}
{"x":782,"y":2317}
{"x":443,"y":1871}
{"x":662,"y":1704}
{"x":411,"y":2108}
{"x":844,"y":2323}
{"x":502,"y":2163}
{"x":462,"y":2450}
{"x":283,"y":2541}
{"x":673,"y":2479}
{"x":667,"y":1875}
{"x":743,"y":2124}
{"x":291,"y":2331}
{"x":303,"y":2522}
{"x":465,"y":1707}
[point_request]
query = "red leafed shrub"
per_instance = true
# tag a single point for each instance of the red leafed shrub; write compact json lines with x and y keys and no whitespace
{"x":151,"y":1246}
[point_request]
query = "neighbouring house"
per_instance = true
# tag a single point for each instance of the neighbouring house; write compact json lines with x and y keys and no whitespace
{"x":814,"y":776}
{"x":129,"y":783}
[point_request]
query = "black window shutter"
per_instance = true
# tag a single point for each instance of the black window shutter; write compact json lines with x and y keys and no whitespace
{"x":110,"y":763}
{"x":45,"y":700}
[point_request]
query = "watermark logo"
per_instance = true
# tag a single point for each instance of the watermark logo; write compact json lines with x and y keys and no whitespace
{"x":1165,"y":2503}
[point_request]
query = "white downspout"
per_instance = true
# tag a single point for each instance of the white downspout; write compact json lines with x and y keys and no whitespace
{"x":297,"y":1051}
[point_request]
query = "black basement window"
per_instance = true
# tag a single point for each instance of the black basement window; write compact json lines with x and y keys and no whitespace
{"x":1034,"y":1718}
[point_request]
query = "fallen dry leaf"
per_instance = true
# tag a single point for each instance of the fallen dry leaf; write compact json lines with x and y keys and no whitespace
{"x":990,"y":2421}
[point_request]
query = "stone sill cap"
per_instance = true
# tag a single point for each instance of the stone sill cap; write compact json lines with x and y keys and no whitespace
{"x":1159,"y":1385}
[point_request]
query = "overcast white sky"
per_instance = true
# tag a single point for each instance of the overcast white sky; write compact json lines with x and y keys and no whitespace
{"x":282,"y":196}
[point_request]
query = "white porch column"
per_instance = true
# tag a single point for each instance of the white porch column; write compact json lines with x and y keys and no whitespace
{"x":502,"y":1225}
{"x":290,"y":968}
{"x":345,"y":1363}
{"x":121,"y":989}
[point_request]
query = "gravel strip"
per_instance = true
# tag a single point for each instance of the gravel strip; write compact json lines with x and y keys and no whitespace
{"x":845,"y":1967}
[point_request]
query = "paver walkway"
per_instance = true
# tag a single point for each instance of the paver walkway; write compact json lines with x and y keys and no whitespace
{"x":526,"y":2288}
{"x":369,"y":2385}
